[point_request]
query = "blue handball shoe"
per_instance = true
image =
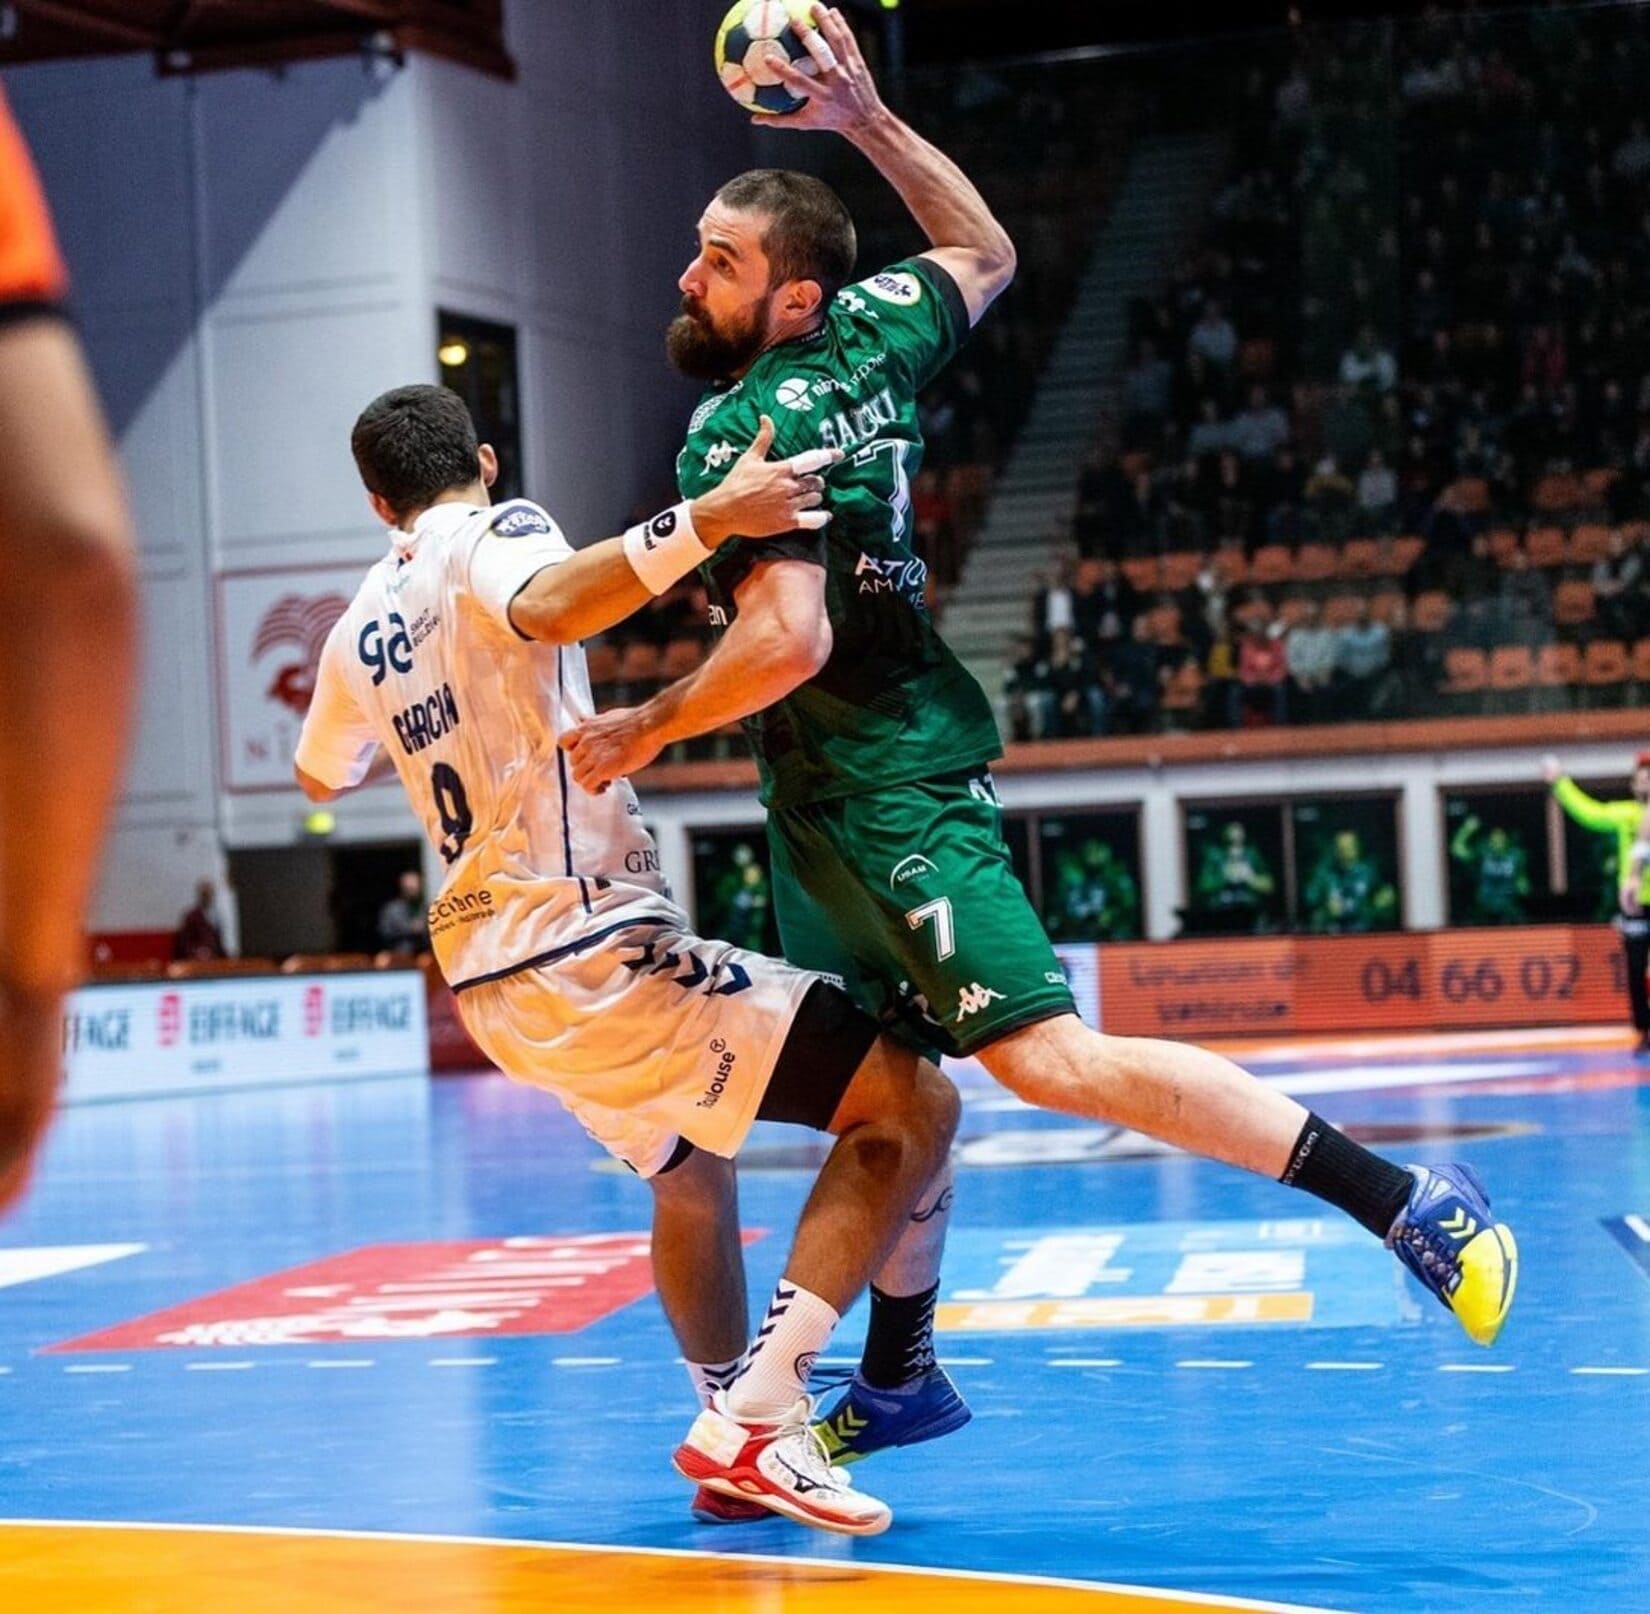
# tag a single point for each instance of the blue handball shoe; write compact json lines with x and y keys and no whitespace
{"x":868,"y":1420}
{"x":1447,"y":1236}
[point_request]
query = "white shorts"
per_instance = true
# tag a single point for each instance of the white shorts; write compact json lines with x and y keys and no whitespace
{"x":648,"y":1035}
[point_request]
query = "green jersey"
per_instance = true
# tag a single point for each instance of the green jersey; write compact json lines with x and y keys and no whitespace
{"x":892,"y":704}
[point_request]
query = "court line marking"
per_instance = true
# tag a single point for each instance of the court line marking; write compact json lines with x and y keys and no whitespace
{"x":217,"y":1367}
{"x":1211,"y":1362}
{"x":324,"y":1362}
{"x":1476,"y":1367}
{"x":1344,"y":1367}
{"x":1084,"y":1361}
{"x":1614,"y":1372}
{"x":463,"y":1361}
{"x":992,"y":1577}
{"x":585,"y":1361}
{"x":99,"y":1367}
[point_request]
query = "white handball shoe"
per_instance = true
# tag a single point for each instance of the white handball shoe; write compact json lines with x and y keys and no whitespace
{"x":780,"y":1466}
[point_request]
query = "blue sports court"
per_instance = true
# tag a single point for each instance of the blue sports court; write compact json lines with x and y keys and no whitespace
{"x":1182,"y":1380}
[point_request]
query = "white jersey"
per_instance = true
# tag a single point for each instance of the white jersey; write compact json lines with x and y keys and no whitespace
{"x":426,"y":664}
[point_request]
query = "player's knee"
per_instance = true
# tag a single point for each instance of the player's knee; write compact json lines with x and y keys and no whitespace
{"x":941,"y":1105}
{"x":1056,"y":1065}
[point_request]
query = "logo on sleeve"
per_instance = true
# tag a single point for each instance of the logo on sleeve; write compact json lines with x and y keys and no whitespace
{"x":795,"y":394}
{"x":902,"y":288}
{"x":519,"y":520}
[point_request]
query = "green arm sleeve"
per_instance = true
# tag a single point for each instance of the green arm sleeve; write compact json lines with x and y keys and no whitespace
{"x":1584,"y":809}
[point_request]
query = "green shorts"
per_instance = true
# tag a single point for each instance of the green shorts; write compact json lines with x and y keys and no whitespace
{"x":909,"y":895}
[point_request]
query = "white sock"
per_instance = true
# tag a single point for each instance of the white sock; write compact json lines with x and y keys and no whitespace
{"x":709,"y":1377}
{"x":795,"y":1331}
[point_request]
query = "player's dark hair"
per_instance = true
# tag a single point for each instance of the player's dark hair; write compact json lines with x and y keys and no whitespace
{"x":413,"y":444}
{"x":810,"y":235}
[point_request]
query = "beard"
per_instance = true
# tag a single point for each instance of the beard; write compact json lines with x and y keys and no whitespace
{"x":700,"y":351}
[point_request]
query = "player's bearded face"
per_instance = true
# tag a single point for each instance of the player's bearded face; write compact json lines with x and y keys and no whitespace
{"x":711,"y":347}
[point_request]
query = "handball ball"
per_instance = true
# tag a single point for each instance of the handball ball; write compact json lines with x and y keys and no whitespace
{"x":753,"y":35}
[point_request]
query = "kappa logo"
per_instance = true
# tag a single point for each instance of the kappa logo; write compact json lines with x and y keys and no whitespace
{"x":903,"y":288}
{"x":795,"y":394}
{"x":909,"y":869}
{"x":974,"y":998}
{"x":720,"y":455}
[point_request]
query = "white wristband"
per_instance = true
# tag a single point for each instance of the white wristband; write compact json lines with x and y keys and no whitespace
{"x":664,"y":550}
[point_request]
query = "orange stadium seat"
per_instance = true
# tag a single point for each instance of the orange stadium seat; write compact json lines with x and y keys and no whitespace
{"x":1635,"y":532}
{"x":1388,"y":606}
{"x":1641,"y":662}
{"x":1468,"y":496}
{"x":638,"y":663}
{"x":1512,"y":667}
{"x":1183,"y":693}
{"x":1606,"y":664}
{"x":1360,"y":558}
{"x":1588,"y":542}
{"x":1558,"y":665}
{"x":1340,"y":609}
{"x":1503,"y":545}
{"x":1142,"y":573}
{"x":1272,"y":563}
{"x":1292,"y":610}
{"x":1597,"y":484}
{"x":603,"y":661}
{"x":1556,"y":493}
{"x":1545,"y":546}
{"x":1316,"y":563}
{"x":1432,"y":611}
{"x":1404,"y":554}
{"x":1573,"y":604}
{"x":1180,"y":569}
{"x":1465,"y":670}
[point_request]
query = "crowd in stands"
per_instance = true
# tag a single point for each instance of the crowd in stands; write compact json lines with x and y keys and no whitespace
{"x":1382,"y":447}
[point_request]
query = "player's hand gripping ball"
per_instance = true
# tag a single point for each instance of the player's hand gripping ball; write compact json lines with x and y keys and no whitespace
{"x":753,"y":35}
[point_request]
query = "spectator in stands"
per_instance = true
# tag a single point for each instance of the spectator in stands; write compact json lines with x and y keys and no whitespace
{"x":1130,"y":682}
{"x":1211,"y":435}
{"x":1525,"y":602}
{"x":1107,"y":606}
{"x":1363,"y":655}
{"x":1377,"y":494}
{"x":1148,"y":393}
{"x":1214,"y":338}
{"x":199,"y":936}
{"x":1263,"y":674}
{"x":1261,"y":429}
{"x":1347,"y":893}
{"x":1140,"y":521}
{"x":1329,"y":499}
{"x":1054,"y":610}
{"x":1310,"y":650}
{"x":1367,"y":365}
{"x":1618,"y":580}
{"x":403,"y":923}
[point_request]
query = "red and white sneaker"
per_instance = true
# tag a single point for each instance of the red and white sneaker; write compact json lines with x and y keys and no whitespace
{"x":780,"y":1466}
{"x":710,"y":1508}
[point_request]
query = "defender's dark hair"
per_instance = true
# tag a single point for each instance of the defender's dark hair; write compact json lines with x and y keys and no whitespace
{"x":414,"y":443}
{"x":810,"y":235}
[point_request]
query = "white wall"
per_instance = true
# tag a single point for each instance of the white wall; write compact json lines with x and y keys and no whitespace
{"x":255,"y":255}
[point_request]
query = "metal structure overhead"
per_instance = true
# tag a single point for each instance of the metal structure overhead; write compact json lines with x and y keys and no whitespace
{"x":191,"y":36}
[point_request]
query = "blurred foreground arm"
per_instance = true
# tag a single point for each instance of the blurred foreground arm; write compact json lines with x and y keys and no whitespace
{"x":68,"y":602}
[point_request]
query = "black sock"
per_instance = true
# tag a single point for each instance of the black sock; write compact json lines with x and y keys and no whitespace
{"x":1329,"y":1164}
{"x":899,"y":1344}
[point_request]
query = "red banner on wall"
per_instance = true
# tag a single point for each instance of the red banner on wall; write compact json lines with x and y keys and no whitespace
{"x":1410,"y":981}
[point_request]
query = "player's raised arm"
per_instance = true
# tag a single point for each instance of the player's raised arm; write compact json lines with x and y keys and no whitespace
{"x":967,"y":241}
{"x":609,"y":581}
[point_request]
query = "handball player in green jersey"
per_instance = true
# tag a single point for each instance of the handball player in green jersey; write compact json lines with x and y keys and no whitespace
{"x":873,"y":743}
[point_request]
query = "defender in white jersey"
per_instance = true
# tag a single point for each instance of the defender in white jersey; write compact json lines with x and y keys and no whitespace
{"x":574,"y":971}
